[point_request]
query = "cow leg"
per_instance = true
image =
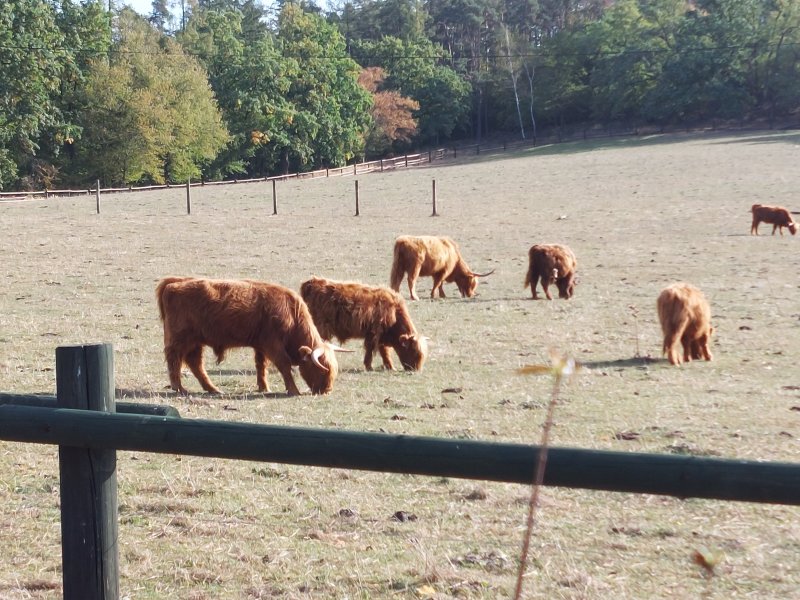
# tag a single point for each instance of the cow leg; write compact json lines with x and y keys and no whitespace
{"x":174,"y":363}
{"x":438,"y":281}
{"x":754,"y":227}
{"x":703,"y":348}
{"x":369,"y":350}
{"x":194,"y":358}
{"x":671,"y":340}
{"x":261,"y":371}
{"x":688,"y":349}
{"x":534,"y":283}
{"x":774,"y":227}
{"x":386,"y":357}
{"x":413,"y":274}
{"x":545,"y":287}
{"x":284,"y":366}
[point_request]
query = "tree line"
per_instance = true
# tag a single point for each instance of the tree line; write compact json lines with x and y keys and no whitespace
{"x":221,"y":88}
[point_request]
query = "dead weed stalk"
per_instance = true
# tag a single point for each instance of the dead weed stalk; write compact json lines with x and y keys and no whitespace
{"x":561,"y":367}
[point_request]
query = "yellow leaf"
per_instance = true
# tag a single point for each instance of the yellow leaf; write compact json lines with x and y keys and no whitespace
{"x":426,"y":591}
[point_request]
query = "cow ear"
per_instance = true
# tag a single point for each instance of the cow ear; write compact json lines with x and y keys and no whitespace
{"x":305,"y":352}
{"x":405,"y":339}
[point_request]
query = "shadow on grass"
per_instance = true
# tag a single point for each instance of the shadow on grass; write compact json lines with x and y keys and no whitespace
{"x":169,"y":394}
{"x":623,"y":363}
{"x":779,"y":137}
{"x":633,"y":141}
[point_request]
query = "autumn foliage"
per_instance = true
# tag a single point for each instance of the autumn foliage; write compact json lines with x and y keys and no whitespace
{"x":392,"y":114}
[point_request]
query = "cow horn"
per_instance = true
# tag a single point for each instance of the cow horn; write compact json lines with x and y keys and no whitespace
{"x":483,"y":274}
{"x":315,"y":357}
{"x":336,"y":348}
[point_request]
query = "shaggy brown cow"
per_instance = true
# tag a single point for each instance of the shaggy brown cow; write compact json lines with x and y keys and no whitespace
{"x":777,"y":216}
{"x":438,"y":257}
{"x":553,"y":263}
{"x":271,"y":319}
{"x":685,"y":315}
{"x":377,"y":314}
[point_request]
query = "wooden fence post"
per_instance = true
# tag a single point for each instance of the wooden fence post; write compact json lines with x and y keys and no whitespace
{"x":188,"y":197}
{"x":97,"y":196}
{"x":89,"y":531}
{"x":433,"y":190}
{"x":357,"y":213}
{"x":274,"y":199}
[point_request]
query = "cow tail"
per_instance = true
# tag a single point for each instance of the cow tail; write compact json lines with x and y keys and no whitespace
{"x":527,"y":279}
{"x":162,"y":285}
{"x":397,"y":268}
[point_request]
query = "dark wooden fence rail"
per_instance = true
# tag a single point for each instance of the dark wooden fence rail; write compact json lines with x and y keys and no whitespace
{"x":88,"y":432}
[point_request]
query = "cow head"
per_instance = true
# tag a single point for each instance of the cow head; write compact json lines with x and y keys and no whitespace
{"x":318,"y":368}
{"x":793,"y":227}
{"x":566,"y":286}
{"x":412,"y":350}
{"x":469,"y":283}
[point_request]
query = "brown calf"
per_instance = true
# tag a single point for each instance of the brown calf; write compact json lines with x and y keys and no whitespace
{"x":271,"y":319}
{"x":377,"y":314}
{"x":553,"y":263}
{"x":777,"y":216}
{"x":685,"y":315}
{"x":437,"y":257}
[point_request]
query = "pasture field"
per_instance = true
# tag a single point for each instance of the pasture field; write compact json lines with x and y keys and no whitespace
{"x":639,"y":214}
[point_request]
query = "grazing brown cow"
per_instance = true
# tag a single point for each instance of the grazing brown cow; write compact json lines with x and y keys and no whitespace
{"x":271,"y":319}
{"x":377,"y":314}
{"x":553,"y":263}
{"x":777,"y":216}
{"x":685,"y":315}
{"x":438,"y":257}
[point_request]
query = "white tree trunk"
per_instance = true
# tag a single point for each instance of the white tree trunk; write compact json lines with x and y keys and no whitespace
{"x":514,"y":81}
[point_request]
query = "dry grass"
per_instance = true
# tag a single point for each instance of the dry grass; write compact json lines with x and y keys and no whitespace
{"x":639,"y":214}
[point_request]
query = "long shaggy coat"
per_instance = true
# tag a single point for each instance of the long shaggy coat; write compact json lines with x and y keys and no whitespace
{"x":347,"y":310}
{"x":271,"y":319}
{"x":685,"y":317}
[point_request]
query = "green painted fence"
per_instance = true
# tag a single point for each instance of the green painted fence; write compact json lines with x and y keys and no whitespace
{"x":89,"y":431}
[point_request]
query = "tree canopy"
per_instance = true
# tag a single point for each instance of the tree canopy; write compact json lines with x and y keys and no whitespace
{"x":212,"y":88}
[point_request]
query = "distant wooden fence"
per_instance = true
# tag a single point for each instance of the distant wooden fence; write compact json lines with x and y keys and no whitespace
{"x":549,"y":135}
{"x":384,"y":164}
{"x":88,"y":430}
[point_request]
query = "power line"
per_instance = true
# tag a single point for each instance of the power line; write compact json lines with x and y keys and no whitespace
{"x":418,"y":56}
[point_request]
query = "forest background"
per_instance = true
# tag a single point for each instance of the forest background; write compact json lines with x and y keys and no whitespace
{"x":214,"y":89}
